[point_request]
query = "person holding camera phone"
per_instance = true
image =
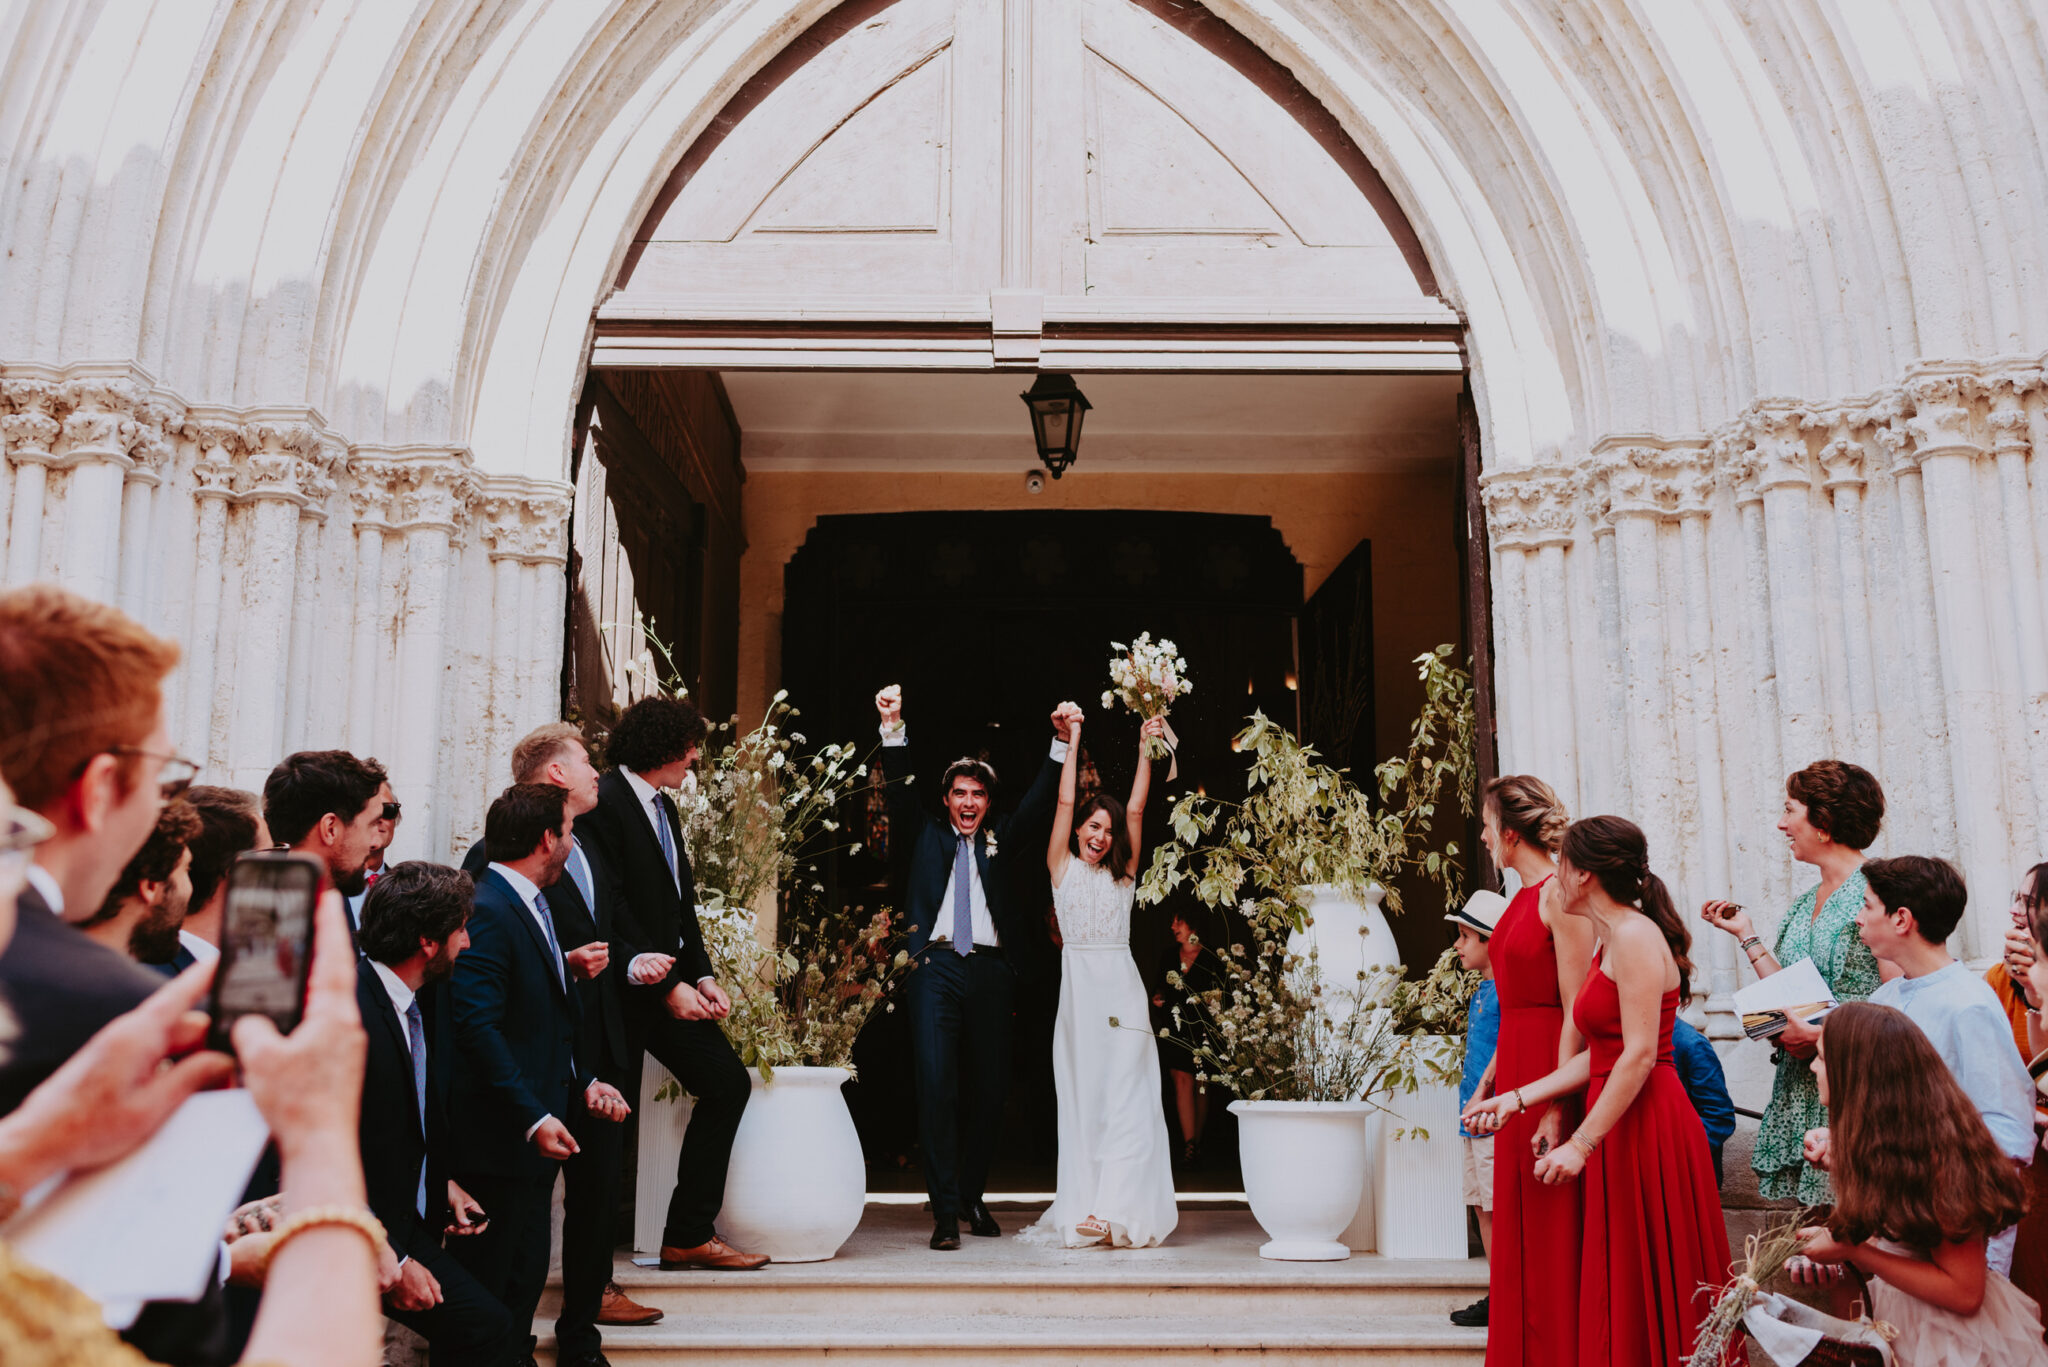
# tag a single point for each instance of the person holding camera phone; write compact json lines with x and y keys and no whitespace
{"x":1832,"y":812}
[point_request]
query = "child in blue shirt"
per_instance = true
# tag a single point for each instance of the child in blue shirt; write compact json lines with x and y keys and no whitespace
{"x":1475,"y":922}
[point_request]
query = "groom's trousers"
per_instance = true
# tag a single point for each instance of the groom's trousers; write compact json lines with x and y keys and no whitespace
{"x":960,"y":1014}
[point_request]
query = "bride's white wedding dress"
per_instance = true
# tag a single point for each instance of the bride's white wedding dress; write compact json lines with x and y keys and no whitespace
{"x":1114,"y":1160}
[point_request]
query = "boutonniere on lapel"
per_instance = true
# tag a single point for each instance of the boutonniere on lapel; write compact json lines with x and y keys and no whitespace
{"x":989,"y":841}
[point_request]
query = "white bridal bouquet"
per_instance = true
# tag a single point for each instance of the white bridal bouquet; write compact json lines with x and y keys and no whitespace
{"x":1147,"y":676}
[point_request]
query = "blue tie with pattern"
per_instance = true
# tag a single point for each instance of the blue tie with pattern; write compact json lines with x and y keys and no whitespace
{"x":963,"y":907}
{"x":547,"y":928}
{"x":579,"y":870}
{"x":664,"y":810}
{"x":416,"y":1041}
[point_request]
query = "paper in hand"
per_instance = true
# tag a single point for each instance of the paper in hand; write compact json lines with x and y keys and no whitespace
{"x":147,"y":1228}
{"x":1768,"y":1004}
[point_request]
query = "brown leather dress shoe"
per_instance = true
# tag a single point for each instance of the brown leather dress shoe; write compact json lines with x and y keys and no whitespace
{"x":717,"y":1254}
{"x":619,"y":1308}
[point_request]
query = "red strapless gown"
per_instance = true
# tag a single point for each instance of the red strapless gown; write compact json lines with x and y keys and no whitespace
{"x":1654,"y":1232}
{"x":1532,"y":1318}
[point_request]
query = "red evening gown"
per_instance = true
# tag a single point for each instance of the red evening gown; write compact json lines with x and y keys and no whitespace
{"x":1532,"y":1318}
{"x":1654,"y":1232}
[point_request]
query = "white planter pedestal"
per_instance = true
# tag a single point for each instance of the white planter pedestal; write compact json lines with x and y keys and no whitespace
{"x":1304,"y":1165}
{"x":797,"y":1183}
{"x":1349,"y":938}
{"x":1421,"y":1197}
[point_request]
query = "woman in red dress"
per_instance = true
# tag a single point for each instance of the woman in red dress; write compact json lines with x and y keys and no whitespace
{"x":1539,"y":959}
{"x":1654,"y":1233}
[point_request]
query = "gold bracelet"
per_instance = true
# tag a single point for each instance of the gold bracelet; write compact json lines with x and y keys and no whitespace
{"x":1585,"y":1145}
{"x":312,"y":1217}
{"x":1520,"y":1104}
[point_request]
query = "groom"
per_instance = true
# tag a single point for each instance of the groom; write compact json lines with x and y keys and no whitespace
{"x":961,"y":916}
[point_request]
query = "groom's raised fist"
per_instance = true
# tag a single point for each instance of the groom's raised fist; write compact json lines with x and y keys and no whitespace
{"x":889,"y":702}
{"x":1064,"y":718}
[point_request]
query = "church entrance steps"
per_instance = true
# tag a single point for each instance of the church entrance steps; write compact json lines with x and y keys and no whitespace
{"x":888,"y":1298}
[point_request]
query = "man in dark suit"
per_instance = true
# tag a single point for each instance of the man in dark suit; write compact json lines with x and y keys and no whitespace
{"x":960,"y":992}
{"x":328,"y":803}
{"x":514,"y":1025}
{"x":636,"y":834}
{"x":413,"y":931}
{"x":587,"y":917}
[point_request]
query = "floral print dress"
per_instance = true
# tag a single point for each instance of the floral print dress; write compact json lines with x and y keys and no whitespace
{"x":1831,"y":941}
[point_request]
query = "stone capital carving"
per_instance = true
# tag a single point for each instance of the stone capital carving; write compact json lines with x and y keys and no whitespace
{"x":1779,"y":434}
{"x":1737,"y":466}
{"x":2007,"y":391}
{"x":1593,"y":490}
{"x":1841,"y":456}
{"x":1689,"y":476}
{"x":372,"y":480}
{"x":1632,"y":483}
{"x":527,"y":525}
{"x":32,"y":428}
{"x":100,"y":424}
{"x":276,"y":462}
{"x":1942,"y":423}
{"x":432,"y":492}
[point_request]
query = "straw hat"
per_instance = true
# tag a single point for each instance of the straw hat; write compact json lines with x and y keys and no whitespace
{"x":1482,"y":912}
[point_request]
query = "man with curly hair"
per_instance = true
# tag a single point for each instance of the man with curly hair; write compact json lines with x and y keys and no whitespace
{"x":144,"y":911}
{"x":638,"y":836}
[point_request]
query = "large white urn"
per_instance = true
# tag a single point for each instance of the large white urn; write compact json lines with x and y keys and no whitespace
{"x":1351,"y":937}
{"x":1304,"y":1168}
{"x":796,"y":1184}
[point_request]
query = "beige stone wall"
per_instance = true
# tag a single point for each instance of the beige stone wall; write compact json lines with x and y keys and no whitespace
{"x":1322,"y":516}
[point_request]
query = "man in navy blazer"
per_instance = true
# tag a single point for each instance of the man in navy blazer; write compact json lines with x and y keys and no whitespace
{"x":962,"y":926}
{"x":514,"y":1025}
{"x":412,"y":932}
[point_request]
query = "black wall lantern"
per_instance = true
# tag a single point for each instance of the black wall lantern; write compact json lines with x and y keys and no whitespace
{"x":1057,"y":406}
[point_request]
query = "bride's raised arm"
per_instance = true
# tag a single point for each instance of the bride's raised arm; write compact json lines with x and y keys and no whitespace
{"x":1056,"y":852}
{"x":1141,"y":789}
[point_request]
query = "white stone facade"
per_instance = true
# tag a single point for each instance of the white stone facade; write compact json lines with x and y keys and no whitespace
{"x":297,"y":299}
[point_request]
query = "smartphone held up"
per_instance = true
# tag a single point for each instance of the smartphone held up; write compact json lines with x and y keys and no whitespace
{"x":266,"y":941}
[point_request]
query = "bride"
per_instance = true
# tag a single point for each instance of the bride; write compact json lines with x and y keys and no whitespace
{"x":1115,"y":1170}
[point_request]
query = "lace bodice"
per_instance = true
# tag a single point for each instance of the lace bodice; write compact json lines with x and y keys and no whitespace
{"x":1094,"y":908}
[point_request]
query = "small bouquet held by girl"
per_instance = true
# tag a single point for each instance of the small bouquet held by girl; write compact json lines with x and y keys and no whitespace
{"x":1147,"y":676}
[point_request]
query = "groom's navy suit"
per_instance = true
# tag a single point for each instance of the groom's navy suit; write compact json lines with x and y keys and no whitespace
{"x":961,"y":1005}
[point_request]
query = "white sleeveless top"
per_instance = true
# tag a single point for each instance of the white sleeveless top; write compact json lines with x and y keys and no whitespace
{"x":1094,"y":908}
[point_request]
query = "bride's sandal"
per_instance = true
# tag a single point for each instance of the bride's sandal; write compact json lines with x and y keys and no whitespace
{"x":1092,"y":1229}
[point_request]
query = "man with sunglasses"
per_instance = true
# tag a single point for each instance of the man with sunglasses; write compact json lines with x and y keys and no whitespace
{"x":385,"y":830}
{"x":83,"y":745}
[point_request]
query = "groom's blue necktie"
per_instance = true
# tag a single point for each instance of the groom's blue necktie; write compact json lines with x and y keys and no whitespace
{"x":963,"y":909}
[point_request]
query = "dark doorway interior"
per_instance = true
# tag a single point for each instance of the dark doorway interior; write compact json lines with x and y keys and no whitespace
{"x":987,"y":620}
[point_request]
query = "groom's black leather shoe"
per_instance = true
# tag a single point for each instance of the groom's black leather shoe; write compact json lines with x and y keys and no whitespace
{"x":981,"y":1223}
{"x":945,"y":1236}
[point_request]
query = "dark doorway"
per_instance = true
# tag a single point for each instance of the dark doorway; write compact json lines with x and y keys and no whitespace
{"x":987,"y":620}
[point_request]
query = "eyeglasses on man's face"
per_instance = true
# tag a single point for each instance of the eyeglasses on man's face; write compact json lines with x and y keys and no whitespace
{"x":175,"y":774}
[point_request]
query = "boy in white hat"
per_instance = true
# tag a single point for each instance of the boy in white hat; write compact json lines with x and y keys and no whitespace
{"x":1475,"y":922}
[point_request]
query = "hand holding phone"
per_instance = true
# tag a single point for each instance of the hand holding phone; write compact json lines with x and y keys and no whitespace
{"x":266,"y":941}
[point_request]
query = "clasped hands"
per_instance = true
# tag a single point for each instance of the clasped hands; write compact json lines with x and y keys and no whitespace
{"x":1556,"y":1161}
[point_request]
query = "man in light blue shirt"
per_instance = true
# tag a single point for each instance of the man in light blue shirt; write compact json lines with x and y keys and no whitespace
{"x":1911,"y":908}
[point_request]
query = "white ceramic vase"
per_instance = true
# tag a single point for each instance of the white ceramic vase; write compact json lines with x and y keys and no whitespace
{"x":797,"y":1183}
{"x":1421,"y":1170}
{"x":1304,"y":1168}
{"x":1351,"y":937}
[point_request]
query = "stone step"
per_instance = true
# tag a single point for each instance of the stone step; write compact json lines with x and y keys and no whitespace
{"x":1205,"y":1293}
{"x":865,"y":1339}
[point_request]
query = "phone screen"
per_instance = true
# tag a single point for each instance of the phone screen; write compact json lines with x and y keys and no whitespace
{"x":265,"y":941}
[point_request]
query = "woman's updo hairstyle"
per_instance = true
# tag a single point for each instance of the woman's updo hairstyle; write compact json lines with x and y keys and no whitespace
{"x":1842,"y":799}
{"x":1613,"y":850}
{"x":1528,"y":806}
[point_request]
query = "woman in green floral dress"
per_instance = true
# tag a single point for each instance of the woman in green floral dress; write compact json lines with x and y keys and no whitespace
{"x":1832,"y":812}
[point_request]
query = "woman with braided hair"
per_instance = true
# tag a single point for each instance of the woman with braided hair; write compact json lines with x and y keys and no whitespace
{"x":1653,"y":1232}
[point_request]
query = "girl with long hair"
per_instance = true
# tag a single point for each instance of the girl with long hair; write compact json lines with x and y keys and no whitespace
{"x":1115,"y":1166}
{"x":1653,"y":1227}
{"x":1920,"y":1186}
{"x":1539,"y":956}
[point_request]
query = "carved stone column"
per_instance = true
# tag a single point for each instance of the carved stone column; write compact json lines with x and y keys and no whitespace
{"x":1786,"y":482}
{"x":1841,"y":461}
{"x":99,"y":431}
{"x":30,"y":431}
{"x":373,"y":481}
{"x":1948,"y":448}
{"x":1514,"y":642}
{"x":523,"y":529}
{"x":1552,"y":526}
{"x":2010,"y":447}
{"x":149,"y":457}
{"x":269,"y":486}
{"x":1606,"y":782}
{"x":1652,"y":753}
{"x":302,"y":728}
{"x":432,"y":498}
{"x":1740,"y":468}
{"x":221,"y":443}
{"x":1691,"y":477}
